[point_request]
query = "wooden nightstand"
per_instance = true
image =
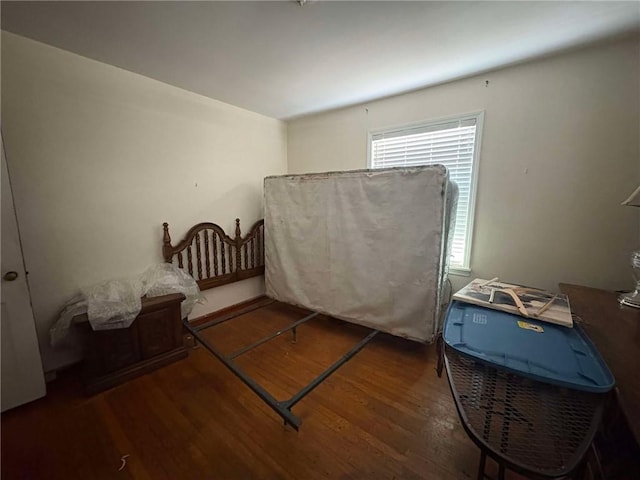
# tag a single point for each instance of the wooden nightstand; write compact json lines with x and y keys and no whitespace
{"x":153,"y":340}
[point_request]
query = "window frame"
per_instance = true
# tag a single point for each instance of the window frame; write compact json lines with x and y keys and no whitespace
{"x":465,"y":268}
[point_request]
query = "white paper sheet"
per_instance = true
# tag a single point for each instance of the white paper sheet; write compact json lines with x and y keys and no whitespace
{"x":364,"y":246}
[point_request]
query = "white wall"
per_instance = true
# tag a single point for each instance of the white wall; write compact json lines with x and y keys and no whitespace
{"x":560,"y":151}
{"x":99,"y":157}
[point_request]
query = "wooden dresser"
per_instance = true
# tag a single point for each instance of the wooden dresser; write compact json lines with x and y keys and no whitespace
{"x":615,"y":331}
{"x":153,"y":340}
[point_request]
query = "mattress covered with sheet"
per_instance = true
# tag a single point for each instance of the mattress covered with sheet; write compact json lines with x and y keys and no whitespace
{"x":365,"y":246}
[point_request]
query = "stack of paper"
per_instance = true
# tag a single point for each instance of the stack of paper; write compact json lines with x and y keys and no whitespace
{"x":524,"y":301}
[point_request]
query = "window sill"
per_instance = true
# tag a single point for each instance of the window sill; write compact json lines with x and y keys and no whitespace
{"x":460,"y":271}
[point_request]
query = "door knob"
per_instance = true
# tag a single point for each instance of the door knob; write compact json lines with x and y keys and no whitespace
{"x":10,"y":276}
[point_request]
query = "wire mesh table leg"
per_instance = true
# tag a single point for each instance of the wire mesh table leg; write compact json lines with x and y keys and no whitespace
{"x":501,"y":471}
{"x":483,"y":462}
{"x":580,"y":473}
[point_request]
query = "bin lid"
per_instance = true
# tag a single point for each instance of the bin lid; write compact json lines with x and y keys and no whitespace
{"x":539,"y":350}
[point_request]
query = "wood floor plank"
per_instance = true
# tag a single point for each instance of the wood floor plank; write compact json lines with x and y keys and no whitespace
{"x":383,"y":415}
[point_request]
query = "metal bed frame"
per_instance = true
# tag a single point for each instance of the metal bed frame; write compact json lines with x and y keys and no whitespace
{"x":282,"y":408}
{"x":214,"y":258}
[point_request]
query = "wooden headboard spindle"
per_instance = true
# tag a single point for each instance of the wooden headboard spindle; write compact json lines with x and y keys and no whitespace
{"x":233,"y":259}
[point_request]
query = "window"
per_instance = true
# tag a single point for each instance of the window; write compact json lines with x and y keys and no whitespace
{"x":452,"y":142}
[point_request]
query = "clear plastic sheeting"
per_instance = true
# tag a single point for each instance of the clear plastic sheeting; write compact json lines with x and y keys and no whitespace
{"x":60,"y":329}
{"x":165,"y":278}
{"x":116,"y":303}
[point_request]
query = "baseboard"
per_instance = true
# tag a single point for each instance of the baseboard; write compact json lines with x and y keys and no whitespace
{"x":248,"y":305}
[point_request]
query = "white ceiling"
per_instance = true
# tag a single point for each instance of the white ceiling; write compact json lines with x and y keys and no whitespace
{"x":284,"y":60}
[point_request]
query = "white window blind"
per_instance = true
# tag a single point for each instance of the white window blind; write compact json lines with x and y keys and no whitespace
{"x":452,"y":143}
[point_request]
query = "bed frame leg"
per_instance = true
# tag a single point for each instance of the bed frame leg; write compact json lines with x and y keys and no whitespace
{"x":323,"y":376}
{"x":294,"y":331}
{"x":439,"y":354}
{"x":283,"y":410}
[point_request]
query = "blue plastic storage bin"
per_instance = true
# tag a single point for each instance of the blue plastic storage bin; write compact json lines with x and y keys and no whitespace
{"x":539,"y":350}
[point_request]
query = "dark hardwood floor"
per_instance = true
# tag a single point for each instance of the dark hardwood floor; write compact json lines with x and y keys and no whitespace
{"x":383,"y":415}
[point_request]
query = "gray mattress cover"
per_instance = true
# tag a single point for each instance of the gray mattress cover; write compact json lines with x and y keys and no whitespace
{"x":365,"y":246}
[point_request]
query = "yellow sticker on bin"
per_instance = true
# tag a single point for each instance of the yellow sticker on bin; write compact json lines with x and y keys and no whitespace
{"x":530,"y":326}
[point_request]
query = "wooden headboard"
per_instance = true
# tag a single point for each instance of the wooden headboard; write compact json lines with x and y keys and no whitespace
{"x":213,"y":258}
